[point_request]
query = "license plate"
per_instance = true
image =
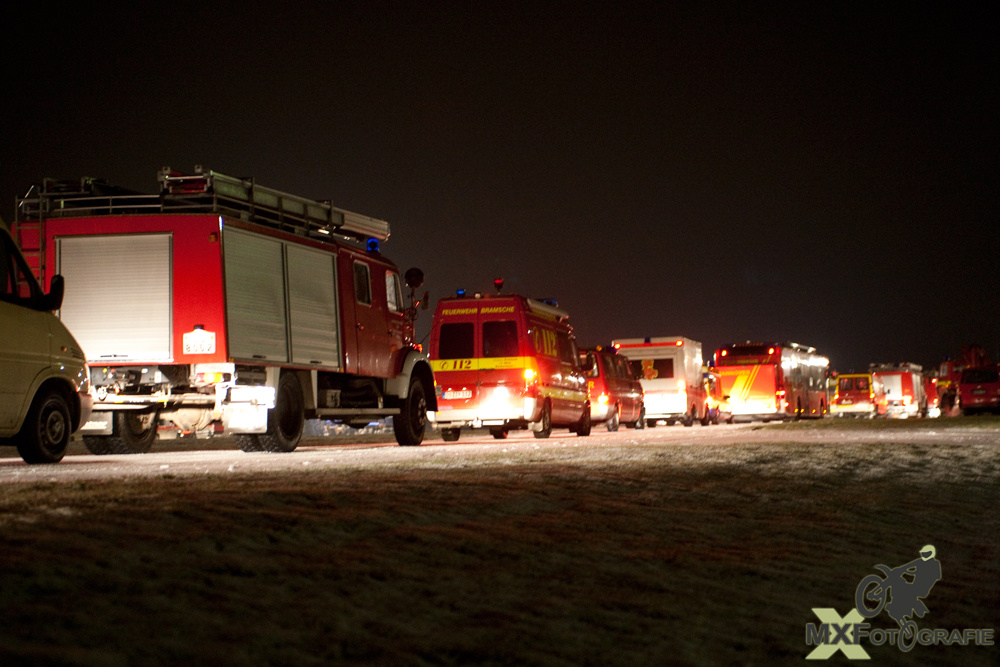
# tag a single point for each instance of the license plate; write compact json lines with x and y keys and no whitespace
{"x":458,"y":393}
{"x":979,"y":392}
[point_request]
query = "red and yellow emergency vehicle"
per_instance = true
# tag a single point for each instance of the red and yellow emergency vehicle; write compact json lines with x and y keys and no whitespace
{"x":219,"y":304}
{"x":859,"y":395}
{"x":506,"y":362}
{"x":771,"y":381}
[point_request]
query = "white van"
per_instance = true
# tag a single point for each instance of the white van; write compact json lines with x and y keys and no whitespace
{"x":44,"y":379}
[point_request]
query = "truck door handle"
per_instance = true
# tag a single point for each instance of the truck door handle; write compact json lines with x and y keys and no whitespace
{"x":360,"y":326}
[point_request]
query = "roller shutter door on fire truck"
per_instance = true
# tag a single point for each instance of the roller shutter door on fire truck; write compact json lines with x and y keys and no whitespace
{"x":259,"y":320}
{"x":118,"y":295}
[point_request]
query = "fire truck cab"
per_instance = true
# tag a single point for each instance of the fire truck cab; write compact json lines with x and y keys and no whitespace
{"x":506,"y":362}
{"x":219,"y":305}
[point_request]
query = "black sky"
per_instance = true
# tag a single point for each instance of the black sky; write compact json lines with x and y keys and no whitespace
{"x":825,"y":173}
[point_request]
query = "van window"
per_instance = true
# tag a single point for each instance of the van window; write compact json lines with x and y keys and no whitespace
{"x":979,"y":376}
{"x":456,"y":341}
{"x":589,"y":361}
{"x":362,"y":284}
{"x":500,"y":338}
{"x":656,"y":369}
{"x":15,"y":286}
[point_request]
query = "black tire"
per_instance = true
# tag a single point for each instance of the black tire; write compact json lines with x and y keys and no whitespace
{"x":98,"y":444}
{"x":614,"y":420}
{"x":411,"y":422}
{"x":450,"y":434}
{"x":133,"y":432}
{"x":688,"y":419}
{"x":582,"y":427}
{"x":706,"y":417}
{"x":285,"y":422}
{"x":499,"y":433}
{"x":47,"y":427}
{"x":651,"y":423}
{"x":640,"y":423}
{"x":546,"y":422}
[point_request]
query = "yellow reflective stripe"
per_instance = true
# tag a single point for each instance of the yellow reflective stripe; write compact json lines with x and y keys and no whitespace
{"x":563,"y":394}
{"x":439,"y":365}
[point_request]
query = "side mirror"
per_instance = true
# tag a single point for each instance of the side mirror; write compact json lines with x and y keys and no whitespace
{"x":414,"y":278}
{"x":53,"y":300}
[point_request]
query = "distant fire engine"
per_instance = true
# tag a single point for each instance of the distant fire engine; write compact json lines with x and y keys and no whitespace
{"x":769,"y":381}
{"x":904,"y":388}
{"x":219,"y":304}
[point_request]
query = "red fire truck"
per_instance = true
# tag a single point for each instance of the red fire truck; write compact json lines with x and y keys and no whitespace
{"x":771,"y":381}
{"x":222,"y":305}
{"x":961,"y":387}
{"x":904,"y":388}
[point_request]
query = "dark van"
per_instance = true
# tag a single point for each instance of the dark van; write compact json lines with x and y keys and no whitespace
{"x":615,"y":392}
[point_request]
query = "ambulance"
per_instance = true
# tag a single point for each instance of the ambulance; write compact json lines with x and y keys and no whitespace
{"x":670,"y":371}
{"x":505,"y":362}
{"x":904,"y":389}
{"x":859,"y":395}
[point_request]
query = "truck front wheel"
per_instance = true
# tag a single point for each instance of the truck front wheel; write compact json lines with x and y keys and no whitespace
{"x":46,"y":430}
{"x":410,"y":423}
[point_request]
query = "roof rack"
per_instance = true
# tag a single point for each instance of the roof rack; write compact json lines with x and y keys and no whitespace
{"x":205,"y":191}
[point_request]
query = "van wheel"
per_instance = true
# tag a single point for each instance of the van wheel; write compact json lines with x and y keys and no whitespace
{"x":450,"y":434}
{"x":410,"y":423}
{"x":499,"y":433}
{"x":45,"y":433}
{"x":651,"y":423}
{"x":285,"y":421}
{"x":614,"y":420}
{"x":545,"y":422}
{"x":706,"y":417}
{"x":583,"y":426}
{"x":641,"y":421}
{"x":688,"y":419}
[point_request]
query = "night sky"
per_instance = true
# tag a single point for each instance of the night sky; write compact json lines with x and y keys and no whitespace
{"x":825,"y":173}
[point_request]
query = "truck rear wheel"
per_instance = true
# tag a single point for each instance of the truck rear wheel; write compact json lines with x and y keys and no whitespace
{"x":411,"y":422}
{"x":132,"y":433}
{"x":285,"y":421}
{"x":45,"y":433}
{"x":451,"y":434}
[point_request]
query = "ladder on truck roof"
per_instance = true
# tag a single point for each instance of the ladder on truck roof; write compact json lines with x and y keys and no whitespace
{"x":205,"y":191}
